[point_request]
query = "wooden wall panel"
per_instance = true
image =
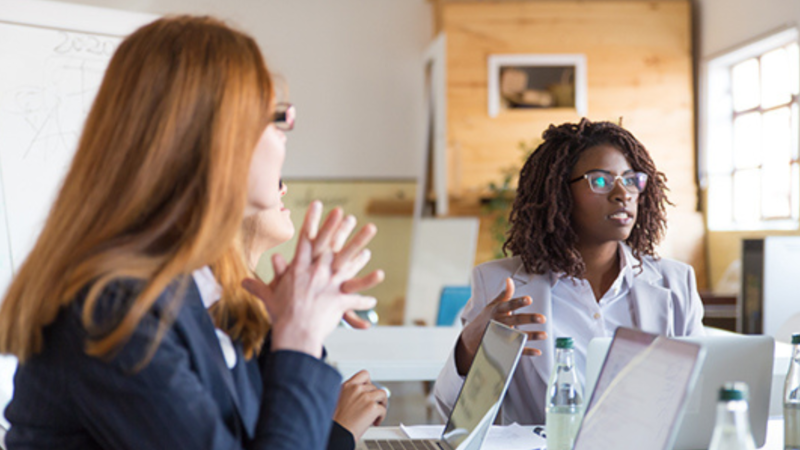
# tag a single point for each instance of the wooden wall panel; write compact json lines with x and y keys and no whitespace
{"x":639,"y":68}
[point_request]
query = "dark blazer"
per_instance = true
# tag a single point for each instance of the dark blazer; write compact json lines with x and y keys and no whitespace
{"x":184,"y":398}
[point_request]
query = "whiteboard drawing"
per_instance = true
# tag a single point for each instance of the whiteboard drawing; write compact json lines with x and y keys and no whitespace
{"x":47,"y":84}
{"x":52,"y":59}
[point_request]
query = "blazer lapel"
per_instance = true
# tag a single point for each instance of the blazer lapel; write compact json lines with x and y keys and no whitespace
{"x":537,"y":287}
{"x":204,"y":331}
{"x":248,"y":384}
{"x":651,"y":305}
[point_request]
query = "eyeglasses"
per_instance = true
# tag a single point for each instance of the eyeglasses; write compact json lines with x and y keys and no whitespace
{"x":284,"y":116}
{"x":603,"y":182}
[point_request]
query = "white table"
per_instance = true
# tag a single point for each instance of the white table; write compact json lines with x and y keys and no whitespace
{"x":774,"y":434}
{"x":392,"y":353}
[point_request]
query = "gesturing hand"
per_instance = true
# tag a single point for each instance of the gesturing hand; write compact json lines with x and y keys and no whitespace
{"x":502,"y":310}
{"x":309,"y":296}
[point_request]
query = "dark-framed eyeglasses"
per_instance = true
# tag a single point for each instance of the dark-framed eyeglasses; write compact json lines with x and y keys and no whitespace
{"x":603,"y":182}
{"x":284,"y":116}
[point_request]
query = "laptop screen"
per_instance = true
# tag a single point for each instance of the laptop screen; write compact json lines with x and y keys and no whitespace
{"x":486,"y":382}
{"x":640,"y":393}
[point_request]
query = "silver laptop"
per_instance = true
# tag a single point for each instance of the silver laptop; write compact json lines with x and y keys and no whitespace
{"x":480,"y":397}
{"x":729,"y":358}
{"x":641,"y":393}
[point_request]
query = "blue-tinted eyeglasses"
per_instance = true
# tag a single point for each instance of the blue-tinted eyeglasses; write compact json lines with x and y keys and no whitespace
{"x":603,"y":182}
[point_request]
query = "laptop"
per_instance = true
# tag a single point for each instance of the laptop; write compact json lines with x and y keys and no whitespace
{"x":729,"y":358}
{"x":641,"y":393}
{"x":480,"y":397}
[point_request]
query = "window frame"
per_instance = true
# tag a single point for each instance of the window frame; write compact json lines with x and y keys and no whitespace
{"x":717,"y":114}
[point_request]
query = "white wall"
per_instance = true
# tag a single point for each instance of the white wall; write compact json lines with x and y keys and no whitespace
{"x":724,"y":24}
{"x":354,"y":71}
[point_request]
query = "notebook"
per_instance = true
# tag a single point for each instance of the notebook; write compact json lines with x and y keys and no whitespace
{"x":730,"y":357}
{"x":480,"y":397}
{"x":641,"y":393}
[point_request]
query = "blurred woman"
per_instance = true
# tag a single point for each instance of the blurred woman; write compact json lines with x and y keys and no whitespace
{"x":116,"y":348}
{"x":361,"y":404}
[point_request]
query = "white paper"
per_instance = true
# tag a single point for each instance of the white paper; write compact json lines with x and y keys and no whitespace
{"x":642,"y":401}
{"x":423,"y":431}
{"x":511,"y":437}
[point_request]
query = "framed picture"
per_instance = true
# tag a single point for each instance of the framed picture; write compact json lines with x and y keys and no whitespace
{"x":526,"y":81}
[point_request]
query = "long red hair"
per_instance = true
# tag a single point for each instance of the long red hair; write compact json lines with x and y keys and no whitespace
{"x":157,"y":187}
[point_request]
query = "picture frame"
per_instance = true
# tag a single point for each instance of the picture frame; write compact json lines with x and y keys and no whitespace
{"x":537,"y":81}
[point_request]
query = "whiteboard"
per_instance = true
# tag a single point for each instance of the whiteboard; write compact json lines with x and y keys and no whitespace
{"x":52,"y":59}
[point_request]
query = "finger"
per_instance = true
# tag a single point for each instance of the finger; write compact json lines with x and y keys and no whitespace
{"x":355,"y":321}
{"x":303,"y":254}
{"x":359,"y":241}
{"x":537,"y":335}
{"x":256,"y":287}
{"x":323,"y":240}
{"x":279,"y":264}
{"x":369,"y":281}
{"x":361,"y":377}
{"x":527,"y":351}
{"x":345,"y":228}
{"x":324,"y":260}
{"x":354,"y":302}
{"x":506,"y":295}
{"x":378,"y":396}
{"x":513,"y":304}
{"x":311,"y":221}
{"x":520,"y":319}
{"x":352,"y":267}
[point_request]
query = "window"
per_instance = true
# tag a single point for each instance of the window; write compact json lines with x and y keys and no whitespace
{"x":751,"y":144}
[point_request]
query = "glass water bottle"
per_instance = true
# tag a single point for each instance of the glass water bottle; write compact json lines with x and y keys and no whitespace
{"x":565,"y":399}
{"x":732,"y":431}
{"x":791,"y":399}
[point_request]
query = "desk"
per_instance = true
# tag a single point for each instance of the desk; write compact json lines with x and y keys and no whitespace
{"x":392,"y":353}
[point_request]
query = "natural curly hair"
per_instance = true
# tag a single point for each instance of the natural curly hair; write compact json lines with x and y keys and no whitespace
{"x":541,"y":231}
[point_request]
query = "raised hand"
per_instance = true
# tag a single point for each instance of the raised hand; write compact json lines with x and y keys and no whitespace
{"x":350,"y":257}
{"x":309,"y":296}
{"x":502,"y":310}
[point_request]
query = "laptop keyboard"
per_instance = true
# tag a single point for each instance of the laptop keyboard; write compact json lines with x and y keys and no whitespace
{"x":404,"y":444}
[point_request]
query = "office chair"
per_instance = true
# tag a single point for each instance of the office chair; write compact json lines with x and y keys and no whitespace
{"x":451,"y":302}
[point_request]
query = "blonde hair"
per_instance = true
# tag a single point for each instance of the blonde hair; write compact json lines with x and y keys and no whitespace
{"x":157,"y":187}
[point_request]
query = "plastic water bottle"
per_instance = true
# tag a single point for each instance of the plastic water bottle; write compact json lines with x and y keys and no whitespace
{"x":732,"y":431}
{"x":565,"y":399}
{"x":791,"y":399}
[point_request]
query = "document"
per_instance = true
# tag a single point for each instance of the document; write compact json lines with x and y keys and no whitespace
{"x":639,"y":396}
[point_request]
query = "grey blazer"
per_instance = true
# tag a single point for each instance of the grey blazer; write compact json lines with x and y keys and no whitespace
{"x":664,"y":299}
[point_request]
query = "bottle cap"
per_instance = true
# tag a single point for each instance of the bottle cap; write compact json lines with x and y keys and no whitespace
{"x":796,"y":338}
{"x":564,"y":342}
{"x":733,"y":391}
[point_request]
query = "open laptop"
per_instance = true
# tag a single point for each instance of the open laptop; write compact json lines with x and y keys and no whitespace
{"x":641,"y":393}
{"x":729,"y":358}
{"x":480,"y":397}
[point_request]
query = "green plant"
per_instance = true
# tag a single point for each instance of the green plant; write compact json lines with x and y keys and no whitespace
{"x":497,"y":203}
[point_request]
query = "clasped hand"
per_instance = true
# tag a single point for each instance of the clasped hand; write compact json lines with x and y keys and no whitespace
{"x":310,"y":295}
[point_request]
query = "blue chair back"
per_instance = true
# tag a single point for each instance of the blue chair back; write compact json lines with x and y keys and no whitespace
{"x":451,"y":301}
